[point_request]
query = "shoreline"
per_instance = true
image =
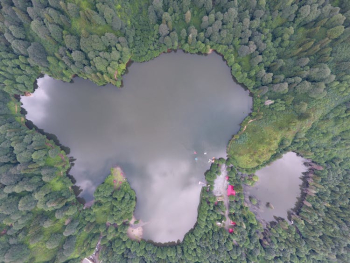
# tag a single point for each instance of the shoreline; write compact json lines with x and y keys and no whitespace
{"x":135,"y":232}
{"x":306,"y":178}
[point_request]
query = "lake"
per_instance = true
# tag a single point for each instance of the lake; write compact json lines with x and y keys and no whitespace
{"x":172,"y":115}
{"x":279,"y":184}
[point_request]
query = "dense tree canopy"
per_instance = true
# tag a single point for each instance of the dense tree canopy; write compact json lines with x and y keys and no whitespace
{"x":292,"y":55}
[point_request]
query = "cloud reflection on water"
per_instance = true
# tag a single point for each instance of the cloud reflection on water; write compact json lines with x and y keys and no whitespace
{"x":150,"y":128}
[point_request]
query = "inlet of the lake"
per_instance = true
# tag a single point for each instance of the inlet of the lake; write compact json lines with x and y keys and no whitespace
{"x":172,"y":115}
{"x":278,"y":188}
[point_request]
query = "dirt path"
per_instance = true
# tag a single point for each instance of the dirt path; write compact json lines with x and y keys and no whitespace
{"x":115,"y":75}
{"x":94,"y":257}
{"x":62,"y":157}
{"x":227,"y":222}
{"x":226,"y":198}
{"x":220,"y":189}
{"x":245,"y":127}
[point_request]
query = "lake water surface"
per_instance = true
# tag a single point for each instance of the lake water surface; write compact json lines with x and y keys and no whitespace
{"x":169,"y":108}
{"x":279,"y":185}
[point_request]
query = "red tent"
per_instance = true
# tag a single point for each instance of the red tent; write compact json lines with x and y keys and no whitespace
{"x":227,"y":178}
{"x":231,"y":190}
{"x":233,"y":223}
{"x":230,"y":230}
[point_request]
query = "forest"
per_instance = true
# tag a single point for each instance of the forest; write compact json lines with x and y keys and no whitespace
{"x":292,"y":55}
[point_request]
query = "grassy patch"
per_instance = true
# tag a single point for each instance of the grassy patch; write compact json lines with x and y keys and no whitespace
{"x":84,"y":4}
{"x":278,"y":21}
{"x":101,"y":217}
{"x":39,"y":250}
{"x":81,"y":243}
{"x":56,"y":161}
{"x":117,"y":175}
{"x":196,"y":21}
{"x":261,"y":141}
{"x":79,"y":24}
{"x":244,"y":62}
{"x":12,"y":105}
{"x":258,"y":148}
{"x":57,"y":184}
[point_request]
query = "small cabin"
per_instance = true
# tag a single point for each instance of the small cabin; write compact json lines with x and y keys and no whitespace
{"x":231,"y":190}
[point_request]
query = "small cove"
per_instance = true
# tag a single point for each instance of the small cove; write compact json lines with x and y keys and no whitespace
{"x":279,"y":185}
{"x":173,"y":114}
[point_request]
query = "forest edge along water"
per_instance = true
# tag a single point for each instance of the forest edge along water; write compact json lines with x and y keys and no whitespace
{"x":292,"y":55}
{"x":278,"y":191}
{"x":172,"y":115}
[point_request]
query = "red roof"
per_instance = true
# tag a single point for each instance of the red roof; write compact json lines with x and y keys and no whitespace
{"x":231,"y":190}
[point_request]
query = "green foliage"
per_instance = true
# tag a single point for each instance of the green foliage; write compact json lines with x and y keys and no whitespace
{"x":17,"y":253}
{"x":115,"y":201}
{"x":53,"y":241}
{"x":294,"y":53}
{"x":37,"y":55}
{"x":335,"y":32}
